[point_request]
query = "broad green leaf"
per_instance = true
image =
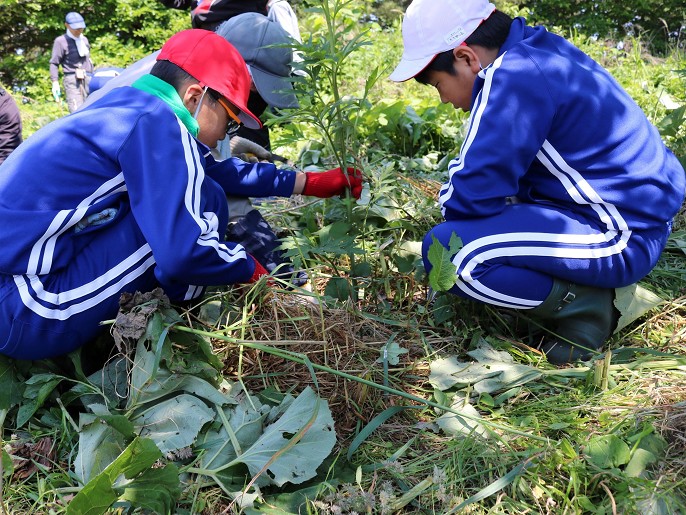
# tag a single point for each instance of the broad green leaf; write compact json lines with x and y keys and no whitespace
{"x":443,"y":274}
{"x":607,"y":451}
{"x":119,"y":422}
{"x":338,"y":288}
{"x":38,"y":388}
{"x":94,"y":499}
{"x":99,"y":494}
{"x":640,"y":459}
{"x":99,"y":445}
{"x":167,"y":383}
{"x":633,"y":302}
{"x":298,"y":462}
{"x":391,"y":353}
{"x":174,"y":423}
{"x":362,"y":269}
{"x":11,"y":386}
{"x":7,"y":465}
{"x":245,"y":425}
{"x":111,"y":380}
{"x":156,"y":490}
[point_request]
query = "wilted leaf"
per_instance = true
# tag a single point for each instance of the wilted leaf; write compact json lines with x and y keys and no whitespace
{"x":633,"y":302}
{"x":299,"y":462}
{"x":174,"y":423}
{"x":26,"y":456}
{"x":448,"y":372}
{"x":484,"y":352}
{"x":466,"y":423}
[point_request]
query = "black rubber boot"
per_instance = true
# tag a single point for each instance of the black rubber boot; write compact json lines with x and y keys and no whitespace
{"x":581,"y":319}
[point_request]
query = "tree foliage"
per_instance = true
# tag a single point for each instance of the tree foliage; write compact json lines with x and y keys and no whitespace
{"x":660,"y":21}
{"x":125,"y":29}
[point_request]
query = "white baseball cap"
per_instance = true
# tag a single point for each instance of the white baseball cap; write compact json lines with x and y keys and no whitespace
{"x":434,"y":26}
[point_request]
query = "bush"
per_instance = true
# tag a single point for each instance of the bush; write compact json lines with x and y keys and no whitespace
{"x":659,"y":21}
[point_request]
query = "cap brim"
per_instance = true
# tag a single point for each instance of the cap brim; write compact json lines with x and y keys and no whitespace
{"x":247,"y":118}
{"x":407,"y":68}
{"x":77,"y":25}
{"x":275,"y":90}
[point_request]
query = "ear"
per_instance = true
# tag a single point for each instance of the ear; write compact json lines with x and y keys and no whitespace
{"x":468,"y":56}
{"x":191,"y":97}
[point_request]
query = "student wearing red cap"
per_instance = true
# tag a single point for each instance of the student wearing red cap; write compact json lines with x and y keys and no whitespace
{"x":562,"y":191}
{"x":124,"y":196}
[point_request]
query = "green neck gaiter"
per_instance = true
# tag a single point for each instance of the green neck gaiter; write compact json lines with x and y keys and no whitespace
{"x":165,"y":91}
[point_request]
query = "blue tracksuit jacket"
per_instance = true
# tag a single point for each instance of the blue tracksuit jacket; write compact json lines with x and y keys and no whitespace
{"x":115,"y":198}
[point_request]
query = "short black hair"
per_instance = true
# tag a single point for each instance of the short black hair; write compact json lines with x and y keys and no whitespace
{"x":177,"y":77}
{"x":491,"y":34}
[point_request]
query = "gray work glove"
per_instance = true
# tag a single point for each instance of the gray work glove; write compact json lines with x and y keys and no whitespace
{"x":249,"y":151}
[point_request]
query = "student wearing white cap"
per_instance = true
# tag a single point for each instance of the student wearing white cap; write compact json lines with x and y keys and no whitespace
{"x":562,"y":190}
{"x":124,"y":196}
{"x":71,"y":51}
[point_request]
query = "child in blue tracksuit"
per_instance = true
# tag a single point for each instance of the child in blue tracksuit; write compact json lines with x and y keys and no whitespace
{"x":562,"y":190}
{"x":124,"y":196}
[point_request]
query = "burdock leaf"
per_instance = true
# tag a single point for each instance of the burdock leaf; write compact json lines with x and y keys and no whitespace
{"x":607,"y":451}
{"x":633,"y":302}
{"x":295,"y":463}
{"x":443,"y":274}
{"x":174,"y":423}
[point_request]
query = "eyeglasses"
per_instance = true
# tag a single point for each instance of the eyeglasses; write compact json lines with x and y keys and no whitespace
{"x":234,"y":122}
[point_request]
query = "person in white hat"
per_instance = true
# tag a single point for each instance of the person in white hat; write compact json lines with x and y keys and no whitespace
{"x":562,"y":190}
{"x":71,"y":51}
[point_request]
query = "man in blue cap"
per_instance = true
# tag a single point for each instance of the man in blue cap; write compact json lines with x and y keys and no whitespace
{"x":71,"y":51}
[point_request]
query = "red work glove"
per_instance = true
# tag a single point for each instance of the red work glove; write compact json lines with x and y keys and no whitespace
{"x":260,"y":271}
{"x":333,"y":182}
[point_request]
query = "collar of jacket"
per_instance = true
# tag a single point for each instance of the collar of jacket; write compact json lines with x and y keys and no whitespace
{"x":167,"y":93}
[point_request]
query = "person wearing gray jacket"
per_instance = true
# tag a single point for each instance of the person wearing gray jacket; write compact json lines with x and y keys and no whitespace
{"x":71,"y":50}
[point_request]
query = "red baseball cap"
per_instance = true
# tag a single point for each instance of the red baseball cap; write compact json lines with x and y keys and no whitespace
{"x":214,"y":62}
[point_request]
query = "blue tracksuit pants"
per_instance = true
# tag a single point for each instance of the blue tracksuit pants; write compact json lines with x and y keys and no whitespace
{"x":512,"y":258}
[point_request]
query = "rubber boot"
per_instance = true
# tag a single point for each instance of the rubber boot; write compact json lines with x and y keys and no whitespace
{"x":581,"y":319}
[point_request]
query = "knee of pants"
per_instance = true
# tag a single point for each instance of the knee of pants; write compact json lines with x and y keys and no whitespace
{"x":29,"y":340}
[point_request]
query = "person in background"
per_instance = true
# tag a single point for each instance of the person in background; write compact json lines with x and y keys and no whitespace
{"x":562,"y":191}
{"x":124,"y":196}
{"x":10,"y":124}
{"x":71,"y":51}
